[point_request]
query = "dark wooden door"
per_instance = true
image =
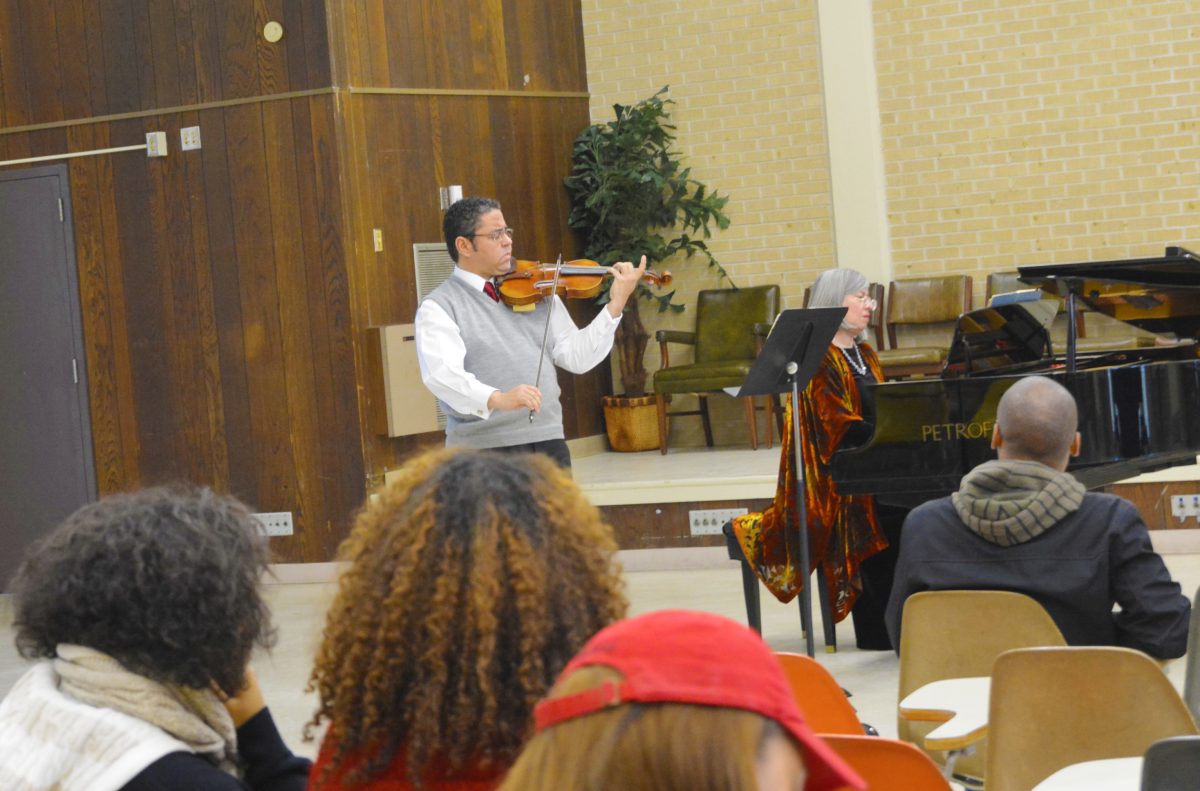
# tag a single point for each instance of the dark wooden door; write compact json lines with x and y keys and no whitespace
{"x":46,"y":464}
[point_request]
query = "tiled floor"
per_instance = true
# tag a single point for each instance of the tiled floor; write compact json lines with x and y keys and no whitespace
{"x":697,"y":580}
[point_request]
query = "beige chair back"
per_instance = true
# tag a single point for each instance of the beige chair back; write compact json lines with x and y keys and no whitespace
{"x":1191,"y":677}
{"x":1053,"y":707}
{"x":959,"y":633}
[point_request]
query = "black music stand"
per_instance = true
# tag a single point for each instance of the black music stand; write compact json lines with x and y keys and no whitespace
{"x":792,"y":354}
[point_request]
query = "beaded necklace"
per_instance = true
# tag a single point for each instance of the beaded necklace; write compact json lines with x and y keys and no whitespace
{"x":856,"y":362}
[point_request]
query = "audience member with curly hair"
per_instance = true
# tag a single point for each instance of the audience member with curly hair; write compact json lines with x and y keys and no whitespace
{"x":144,"y":609}
{"x":472,"y":581}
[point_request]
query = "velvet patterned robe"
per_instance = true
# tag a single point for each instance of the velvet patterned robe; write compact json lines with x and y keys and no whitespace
{"x":842,"y":531}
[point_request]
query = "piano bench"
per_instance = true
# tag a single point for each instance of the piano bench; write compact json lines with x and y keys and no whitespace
{"x":754,"y":604}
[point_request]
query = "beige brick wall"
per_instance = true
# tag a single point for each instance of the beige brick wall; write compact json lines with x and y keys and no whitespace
{"x":1027,"y":132}
{"x":746,"y":84}
{"x":1014,"y":131}
{"x":744,"y":78}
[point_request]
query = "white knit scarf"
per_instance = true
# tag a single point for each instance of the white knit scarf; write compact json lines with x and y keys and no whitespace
{"x":1011,"y":502}
{"x":195,"y":717}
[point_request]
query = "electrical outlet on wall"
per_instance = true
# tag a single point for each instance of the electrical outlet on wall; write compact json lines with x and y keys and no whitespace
{"x":275,"y":523}
{"x":709,"y":522}
{"x":1184,"y":506}
{"x":189,"y":138}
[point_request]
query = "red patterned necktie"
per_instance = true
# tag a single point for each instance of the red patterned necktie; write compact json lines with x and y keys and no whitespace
{"x":490,"y":290}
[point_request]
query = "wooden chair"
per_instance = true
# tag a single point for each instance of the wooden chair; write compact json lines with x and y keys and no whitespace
{"x":1053,"y":707}
{"x":958,"y":634}
{"x":727,"y":340}
{"x":1191,"y":673}
{"x":921,"y":302}
{"x":888,"y":764}
{"x":1172,"y":765}
{"x":819,"y":696}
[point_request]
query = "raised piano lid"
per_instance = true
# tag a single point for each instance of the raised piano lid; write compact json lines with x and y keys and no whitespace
{"x":1160,"y":295}
{"x":1001,"y":338}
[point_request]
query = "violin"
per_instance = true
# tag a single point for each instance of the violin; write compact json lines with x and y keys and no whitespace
{"x":530,"y":282}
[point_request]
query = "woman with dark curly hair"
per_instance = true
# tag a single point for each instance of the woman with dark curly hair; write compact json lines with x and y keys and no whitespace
{"x":473,"y":580}
{"x":144,"y":608}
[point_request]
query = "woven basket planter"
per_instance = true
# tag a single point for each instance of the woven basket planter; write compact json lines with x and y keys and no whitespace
{"x":631,"y":423}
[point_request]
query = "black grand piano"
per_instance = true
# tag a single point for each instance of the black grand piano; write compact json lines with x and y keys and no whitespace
{"x":1139,"y":409}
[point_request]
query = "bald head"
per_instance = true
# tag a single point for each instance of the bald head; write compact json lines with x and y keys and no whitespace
{"x":1037,"y":421}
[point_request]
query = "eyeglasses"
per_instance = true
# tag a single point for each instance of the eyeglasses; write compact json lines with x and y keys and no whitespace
{"x":496,"y":235}
{"x":867,"y":301}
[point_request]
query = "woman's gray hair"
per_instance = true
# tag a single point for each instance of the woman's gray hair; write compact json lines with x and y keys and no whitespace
{"x":831,"y":289}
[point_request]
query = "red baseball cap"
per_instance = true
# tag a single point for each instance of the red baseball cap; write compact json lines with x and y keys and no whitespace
{"x":701,"y":659}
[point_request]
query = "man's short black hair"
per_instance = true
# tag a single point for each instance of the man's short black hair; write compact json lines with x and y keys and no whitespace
{"x":462,"y":219}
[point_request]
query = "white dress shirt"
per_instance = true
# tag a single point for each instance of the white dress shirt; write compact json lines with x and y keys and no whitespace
{"x":441,"y":351}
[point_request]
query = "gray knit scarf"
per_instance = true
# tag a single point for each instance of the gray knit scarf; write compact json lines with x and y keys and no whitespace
{"x":1010,"y":502}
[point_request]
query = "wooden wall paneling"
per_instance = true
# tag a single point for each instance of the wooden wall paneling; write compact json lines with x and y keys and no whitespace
{"x":297,"y":327}
{"x":47,"y":142}
{"x":465,"y":44}
{"x":271,"y":59}
{"x":38,"y":38}
{"x":185,"y":55}
{"x":342,"y":20}
{"x":382,"y":163}
{"x":120,"y":68}
{"x":545,"y":41}
{"x":348,"y":134}
{"x":92,"y":253}
{"x":166,"y":73}
{"x":182,"y":309}
{"x":219,"y":209}
{"x":374,"y":50}
{"x":74,"y":59}
{"x":318,"y":46}
{"x":305,"y":38}
{"x":94,"y":54}
{"x":205,"y":22}
{"x":334,"y":383}
{"x":1153,"y":501}
{"x":238,"y":56}
{"x":141,"y":50}
{"x":142,"y":284}
{"x":659,"y":525}
{"x":408,"y":22}
{"x":266,"y":366}
{"x":15,"y":107}
{"x":211,"y":420}
{"x":118,"y":309}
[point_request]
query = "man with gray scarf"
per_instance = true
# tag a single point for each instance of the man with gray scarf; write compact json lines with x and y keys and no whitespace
{"x":1022,"y":523}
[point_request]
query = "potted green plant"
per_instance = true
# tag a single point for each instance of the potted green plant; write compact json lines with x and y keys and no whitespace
{"x":632,"y":196}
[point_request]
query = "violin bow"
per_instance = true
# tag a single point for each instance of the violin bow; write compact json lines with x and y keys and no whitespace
{"x":546,"y":330}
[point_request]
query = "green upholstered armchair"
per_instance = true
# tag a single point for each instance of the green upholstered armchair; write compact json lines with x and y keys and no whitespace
{"x":730,"y":327}
{"x":921,"y":301}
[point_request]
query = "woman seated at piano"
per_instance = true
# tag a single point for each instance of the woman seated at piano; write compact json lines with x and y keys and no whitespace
{"x":852,"y":540}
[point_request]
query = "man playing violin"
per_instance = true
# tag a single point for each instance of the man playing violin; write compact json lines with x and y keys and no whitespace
{"x":481,"y":359}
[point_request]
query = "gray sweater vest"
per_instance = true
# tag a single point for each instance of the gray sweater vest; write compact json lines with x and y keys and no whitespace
{"x":502,"y":351}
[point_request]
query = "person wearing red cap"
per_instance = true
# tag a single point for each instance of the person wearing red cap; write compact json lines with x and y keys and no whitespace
{"x":675,"y":700}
